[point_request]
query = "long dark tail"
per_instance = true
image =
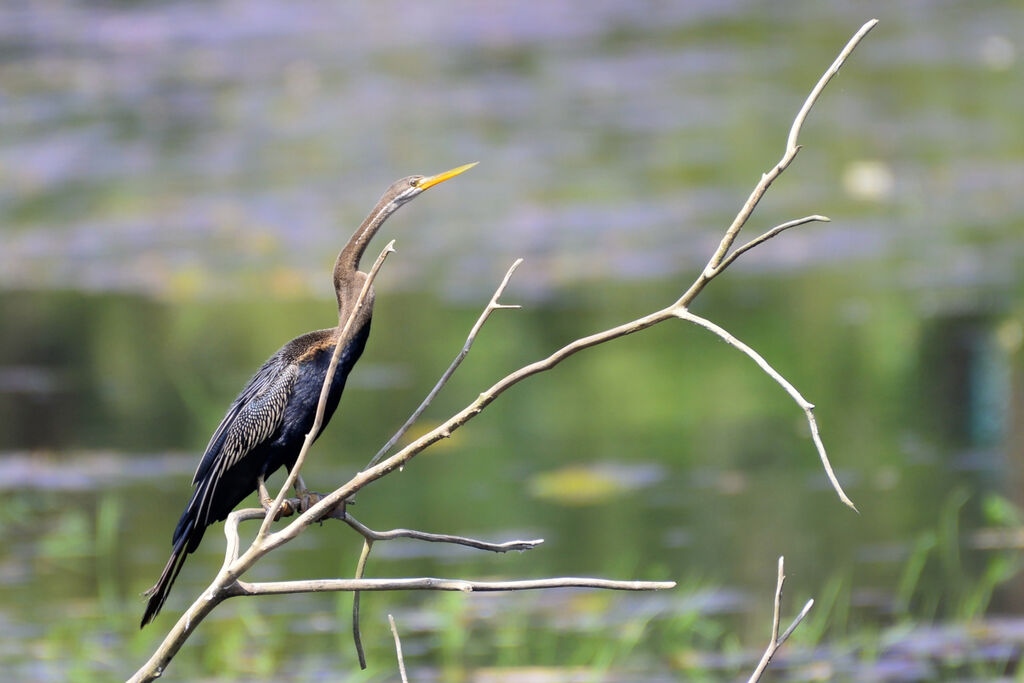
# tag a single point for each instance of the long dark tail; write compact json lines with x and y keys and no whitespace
{"x":158,"y":593}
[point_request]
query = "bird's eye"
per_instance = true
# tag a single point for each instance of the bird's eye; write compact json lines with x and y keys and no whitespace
{"x":415,"y":182}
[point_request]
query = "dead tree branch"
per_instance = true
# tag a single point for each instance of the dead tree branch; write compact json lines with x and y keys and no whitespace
{"x":805,"y":405}
{"x":505,"y":547}
{"x":492,"y":306}
{"x":398,"y":649}
{"x":776,"y":640}
{"x":429,"y":583}
{"x":357,"y":636}
{"x":227,"y":582}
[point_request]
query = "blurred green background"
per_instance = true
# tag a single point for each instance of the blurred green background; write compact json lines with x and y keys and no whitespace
{"x":176,"y":179}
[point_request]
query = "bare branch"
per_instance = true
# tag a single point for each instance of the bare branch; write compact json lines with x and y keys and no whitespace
{"x":370,"y":534}
{"x":798,"y":122}
{"x":324,"y":391}
{"x":227,"y":583}
{"x":373,"y":535}
{"x":492,"y":306}
{"x":777,"y":607}
{"x":776,"y":641}
{"x":231,"y":531}
{"x":436,"y":584}
{"x":356,"y":636}
{"x":805,"y":405}
{"x":445,"y":429}
{"x":714,"y":265}
{"x":398,"y":649}
{"x":778,"y":229}
{"x":796,"y":622}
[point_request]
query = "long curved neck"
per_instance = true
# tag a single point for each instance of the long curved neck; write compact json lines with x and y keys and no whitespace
{"x":348,"y":259}
{"x":348,"y":281}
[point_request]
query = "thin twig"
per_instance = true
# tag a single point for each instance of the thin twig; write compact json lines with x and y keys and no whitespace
{"x":798,"y":122}
{"x":325,"y":389}
{"x":492,"y":306}
{"x":356,"y":635}
{"x":796,"y":622}
{"x":805,"y":405}
{"x":778,"y":229}
{"x":776,"y":641}
{"x":371,"y":534}
{"x":777,"y":607}
{"x":398,"y":649}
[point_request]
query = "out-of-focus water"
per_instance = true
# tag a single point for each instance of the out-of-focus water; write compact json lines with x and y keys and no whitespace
{"x":175,"y":180}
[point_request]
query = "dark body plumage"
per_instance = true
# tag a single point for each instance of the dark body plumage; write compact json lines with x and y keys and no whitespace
{"x":263,"y":430}
{"x":248,"y":443}
{"x":267,"y":424}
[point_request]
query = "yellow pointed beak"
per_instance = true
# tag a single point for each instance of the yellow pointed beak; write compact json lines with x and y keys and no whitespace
{"x":430,"y":181}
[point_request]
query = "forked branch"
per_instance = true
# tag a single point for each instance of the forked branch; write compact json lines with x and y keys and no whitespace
{"x":716,"y":264}
{"x":776,"y":640}
{"x":805,"y":405}
{"x":227,"y":583}
{"x":492,"y":306}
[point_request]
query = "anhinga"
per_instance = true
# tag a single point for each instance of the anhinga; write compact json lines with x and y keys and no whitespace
{"x":265,"y":426}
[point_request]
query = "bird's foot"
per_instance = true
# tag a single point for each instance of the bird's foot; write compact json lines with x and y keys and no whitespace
{"x":286,"y":509}
{"x":267,"y":501}
{"x":308,"y":499}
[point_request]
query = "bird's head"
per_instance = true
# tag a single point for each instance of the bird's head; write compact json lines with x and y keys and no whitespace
{"x":347,"y":278}
{"x":405,"y":189}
